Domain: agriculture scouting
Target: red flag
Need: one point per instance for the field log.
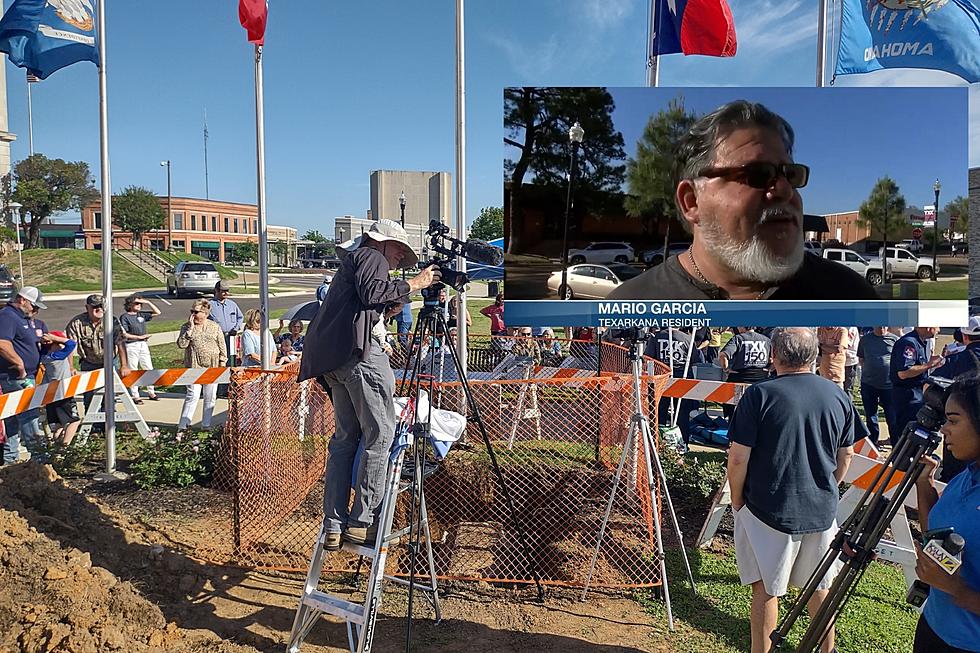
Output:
(252, 14)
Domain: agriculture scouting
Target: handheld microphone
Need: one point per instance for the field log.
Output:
(943, 546)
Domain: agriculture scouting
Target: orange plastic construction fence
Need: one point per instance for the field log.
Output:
(558, 442)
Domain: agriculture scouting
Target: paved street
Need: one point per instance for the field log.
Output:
(60, 311)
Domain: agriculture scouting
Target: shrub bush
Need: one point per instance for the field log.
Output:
(176, 460)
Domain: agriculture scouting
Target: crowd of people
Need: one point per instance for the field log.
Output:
(30, 352)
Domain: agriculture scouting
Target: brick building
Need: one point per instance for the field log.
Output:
(208, 228)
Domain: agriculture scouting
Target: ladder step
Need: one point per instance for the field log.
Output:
(338, 607)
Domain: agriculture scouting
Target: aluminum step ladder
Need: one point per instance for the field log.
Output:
(361, 617)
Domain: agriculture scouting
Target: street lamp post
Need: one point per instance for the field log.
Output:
(14, 207)
(935, 228)
(401, 203)
(170, 212)
(575, 136)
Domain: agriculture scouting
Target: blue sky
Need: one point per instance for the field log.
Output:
(353, 87)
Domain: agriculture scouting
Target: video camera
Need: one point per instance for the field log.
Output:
(929, 419)
(631, 334)
(474, 250)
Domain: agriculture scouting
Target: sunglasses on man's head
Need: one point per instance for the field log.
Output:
(762, 174)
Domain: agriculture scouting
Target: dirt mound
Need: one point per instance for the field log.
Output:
(58, 594)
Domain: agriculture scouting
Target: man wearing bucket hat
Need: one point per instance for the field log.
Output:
(342, 355)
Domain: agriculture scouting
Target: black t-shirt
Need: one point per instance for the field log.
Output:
(673, 350)
(817, 278)
(748, 355)
(794, 424)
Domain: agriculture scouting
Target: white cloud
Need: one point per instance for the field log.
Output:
(774, 26)
(606, 14)
(531, 62)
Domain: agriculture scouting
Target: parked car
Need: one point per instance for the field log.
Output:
(588, 281)
(903, 263)
(848, 259)
(814, 246)
(651, 257)
(8, 284)
(601, 253)
(192, 276)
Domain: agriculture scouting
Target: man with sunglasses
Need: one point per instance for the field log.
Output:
(737, 191)
(88, 330)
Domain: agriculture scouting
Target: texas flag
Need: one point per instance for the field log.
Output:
(253, 14)
(693, 27)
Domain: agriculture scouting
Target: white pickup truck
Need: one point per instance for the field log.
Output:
(851, 259)
(901, 263)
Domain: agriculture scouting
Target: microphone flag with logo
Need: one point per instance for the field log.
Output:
(253, 15)
(693, 27)
(46, 35)
(930, 34)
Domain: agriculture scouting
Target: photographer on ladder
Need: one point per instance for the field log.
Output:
(342, 355)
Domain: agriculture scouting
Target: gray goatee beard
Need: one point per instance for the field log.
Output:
(753, 261)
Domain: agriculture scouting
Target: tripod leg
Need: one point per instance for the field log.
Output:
(627, 446)
(432, 562)
(657, 531)
(670, 507)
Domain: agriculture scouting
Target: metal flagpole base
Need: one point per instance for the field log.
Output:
(111, 477)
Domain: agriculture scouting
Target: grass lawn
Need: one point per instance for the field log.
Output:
(716, 620)
(79, 270)
(174, 258)
(954, 289)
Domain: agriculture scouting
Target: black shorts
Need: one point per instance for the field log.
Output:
(62, 412)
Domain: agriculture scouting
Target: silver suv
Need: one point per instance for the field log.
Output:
(192, 276)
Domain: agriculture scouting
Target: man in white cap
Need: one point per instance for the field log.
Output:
(20, 355)
(342, 354)
(966, 362)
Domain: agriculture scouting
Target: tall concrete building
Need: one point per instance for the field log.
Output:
(428, 196)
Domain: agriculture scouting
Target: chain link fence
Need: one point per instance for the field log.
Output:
(557, 440)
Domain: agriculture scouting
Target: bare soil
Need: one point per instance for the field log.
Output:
(81, 575)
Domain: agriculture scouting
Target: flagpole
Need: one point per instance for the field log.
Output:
(821, 42)
(263, 235)
(653, 67)
(108, 342)
(30, 117)
(461, 329)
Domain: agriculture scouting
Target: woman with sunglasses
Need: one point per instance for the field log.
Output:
(204, 346)
(950, 621)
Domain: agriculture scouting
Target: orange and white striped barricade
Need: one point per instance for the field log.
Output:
(95, 413)
(860, 475)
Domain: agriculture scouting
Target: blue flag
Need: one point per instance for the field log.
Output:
(47, 35)
(931, 34)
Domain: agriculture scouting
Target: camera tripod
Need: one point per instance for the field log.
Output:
(432, 322)
(860, 533)
(641, 436)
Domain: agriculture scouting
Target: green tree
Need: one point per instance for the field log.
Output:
(242, 253)
(47, 186)
(323, 246)
(137, 210)
(650, 174)
(958, 211)
(489, 224)
(883, 213)
(280, 250)
(315, 236)
(536, 124)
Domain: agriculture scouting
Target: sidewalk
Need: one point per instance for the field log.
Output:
(165, 413)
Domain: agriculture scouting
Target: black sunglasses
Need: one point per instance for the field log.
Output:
(762, 174)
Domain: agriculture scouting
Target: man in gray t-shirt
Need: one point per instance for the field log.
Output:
(874, 354)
